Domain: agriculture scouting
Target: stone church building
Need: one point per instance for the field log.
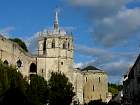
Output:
(55, 54)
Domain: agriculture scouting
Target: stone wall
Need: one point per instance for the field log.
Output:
(11, 52)
(95, 85)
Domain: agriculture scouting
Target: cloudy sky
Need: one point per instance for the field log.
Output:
(106, 32)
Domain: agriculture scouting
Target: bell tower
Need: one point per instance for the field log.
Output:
(55, 50)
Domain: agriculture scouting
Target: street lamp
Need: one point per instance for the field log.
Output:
(19, 63)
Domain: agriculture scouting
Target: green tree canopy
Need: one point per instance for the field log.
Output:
(114, 88)
(60, 90)
(38, 90)
(10, 78)
(20, 43)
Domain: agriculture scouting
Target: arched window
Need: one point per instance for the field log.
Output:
(64, 45)
(6, 62)
(53, 43)
(33, 68)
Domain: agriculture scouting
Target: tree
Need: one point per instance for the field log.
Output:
(114, 89)
(13, 86)
(10, 78)
(20, 43)
(60, 90)
(14, 96)
(38, 90)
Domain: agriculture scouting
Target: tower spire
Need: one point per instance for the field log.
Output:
(56, 25)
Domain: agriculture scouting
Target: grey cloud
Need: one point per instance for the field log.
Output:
(89, 51)
(115, 79)
(114, 69)
(113, 23)
(117, 68)
(118, 29)
(84, 50)
(100, 8)
(114, 63)
(99, 2)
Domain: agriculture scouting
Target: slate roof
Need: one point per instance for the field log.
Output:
(90, 68)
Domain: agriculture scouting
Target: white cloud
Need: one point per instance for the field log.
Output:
(6, 31)
(78, 65)
(32, 43)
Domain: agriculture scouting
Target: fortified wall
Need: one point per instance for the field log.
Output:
(12, 54)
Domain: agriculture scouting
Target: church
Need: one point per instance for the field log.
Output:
(55, 54)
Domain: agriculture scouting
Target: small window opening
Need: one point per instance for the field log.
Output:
(93, 88)
(61, 63)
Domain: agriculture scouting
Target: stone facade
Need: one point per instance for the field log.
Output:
(95, 85)
(11, 53)
(55, 54)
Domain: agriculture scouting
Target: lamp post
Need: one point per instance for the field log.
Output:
(19, 63)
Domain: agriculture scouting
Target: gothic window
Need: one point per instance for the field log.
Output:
(86, 79)
(53, 43)
(93, 88)
(64, 45)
